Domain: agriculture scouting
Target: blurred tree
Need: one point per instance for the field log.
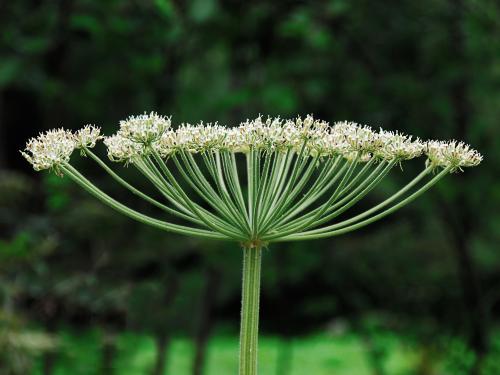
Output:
(459, 221)
(19, 345)
(429, 67)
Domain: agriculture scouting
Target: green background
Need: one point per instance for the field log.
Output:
(86, 291)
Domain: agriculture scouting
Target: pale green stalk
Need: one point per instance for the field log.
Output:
(345, 229)
(370, 182)
(200, 212)
(289, 194)
(203, 183)
(103, 197)
(139, 193)
(249, 331)
(322, 184)
(231, 172)
(177, 195)
(218, 178)
(204, 193)
(379, 206)
(317, 215)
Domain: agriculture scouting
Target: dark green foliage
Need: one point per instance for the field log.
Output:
(429, 68)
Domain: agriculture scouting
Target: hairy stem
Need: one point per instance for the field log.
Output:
(250, 310)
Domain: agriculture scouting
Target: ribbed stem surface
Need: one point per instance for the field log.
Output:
(250, 310)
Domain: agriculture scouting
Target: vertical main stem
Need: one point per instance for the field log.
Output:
(249, 332)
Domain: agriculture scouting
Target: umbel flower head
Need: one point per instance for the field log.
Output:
(264, 180)
(144, 129)
(452, 153)
(50, 149)
(87, 136)
(299, 173)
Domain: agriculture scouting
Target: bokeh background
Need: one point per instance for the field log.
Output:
(86, 291)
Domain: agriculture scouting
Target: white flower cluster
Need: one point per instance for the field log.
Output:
(394, 145)
(191, 138)
(87, 136)
(50, 149)
(54, 147)
(452, 154)
(275, 134)
(135, 135)
(144, 129)
(140, 135)
(121, 149)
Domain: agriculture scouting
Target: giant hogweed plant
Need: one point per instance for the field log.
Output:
(293, 182)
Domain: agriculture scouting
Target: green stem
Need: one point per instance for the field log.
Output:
(99, 194)
(250, 310)
(137, 192)
(345, 228)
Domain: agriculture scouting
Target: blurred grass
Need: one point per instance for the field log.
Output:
(318, 354)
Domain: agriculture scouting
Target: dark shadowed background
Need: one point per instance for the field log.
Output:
(86, 291)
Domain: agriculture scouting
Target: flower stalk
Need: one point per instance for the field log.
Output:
(299, 176)
(249, 331)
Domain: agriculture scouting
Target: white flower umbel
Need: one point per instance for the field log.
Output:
(121, 149)
(452, 154)
(50, 149)
(87, 136)
(266, 180)
(144, 129)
